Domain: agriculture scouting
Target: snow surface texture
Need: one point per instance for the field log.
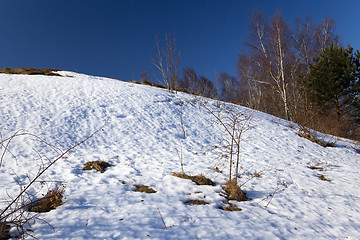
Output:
(140, 140)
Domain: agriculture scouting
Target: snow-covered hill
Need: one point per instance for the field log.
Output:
(141, 140)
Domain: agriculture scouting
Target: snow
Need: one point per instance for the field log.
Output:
(141, 140)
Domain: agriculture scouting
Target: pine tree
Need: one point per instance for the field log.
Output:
(334, 79)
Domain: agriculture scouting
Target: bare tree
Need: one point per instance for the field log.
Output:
(145, 77)
(272, 68)
(248, 70)
(166, 61)
(309, 40)
(199, 85)
(190, 80)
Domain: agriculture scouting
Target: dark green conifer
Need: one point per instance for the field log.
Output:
(334, 79)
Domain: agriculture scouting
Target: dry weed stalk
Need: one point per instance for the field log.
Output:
(180, 156)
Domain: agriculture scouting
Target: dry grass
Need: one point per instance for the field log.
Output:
(198, 179)
(322, 177)
(316, 168)
(30, 71)
(257, 174)
(143, 188)
(136, 82)
(145, 82)
(196, 202)
(216, 169)
(230, 208)
(234, 192)
(97, 165)
(50, 201)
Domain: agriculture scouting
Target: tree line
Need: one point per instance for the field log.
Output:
(300, 72)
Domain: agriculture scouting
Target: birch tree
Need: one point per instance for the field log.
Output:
(166, 61)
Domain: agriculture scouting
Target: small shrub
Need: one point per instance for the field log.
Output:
(97, 165)
(143, 188)
(198, 179)
(234, 192)
(50, 201)
(196, 202)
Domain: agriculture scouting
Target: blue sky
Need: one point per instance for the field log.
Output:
(117, 38)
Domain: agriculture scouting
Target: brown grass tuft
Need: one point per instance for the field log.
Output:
(198, 179)
(230, 208)
(136, 82)
(143, 188)
(50, 201)
(97, 165)
(196, 202)
(322, 177)
(316, 168)
(234, 192)
(216, 169)
(145, 82)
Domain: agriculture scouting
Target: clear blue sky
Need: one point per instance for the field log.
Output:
(116, 38)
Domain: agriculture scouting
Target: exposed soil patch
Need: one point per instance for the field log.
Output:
(234, 192)
(4, 231)
(198, 179)
(30, 71)
(196, 202)
(97, 165)
(50, 201)
(143, 188)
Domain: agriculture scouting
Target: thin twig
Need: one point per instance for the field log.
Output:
(162, 219)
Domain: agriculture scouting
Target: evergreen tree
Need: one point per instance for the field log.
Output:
(334, 79)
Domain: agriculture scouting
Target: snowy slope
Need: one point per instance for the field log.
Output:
(141, 137)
